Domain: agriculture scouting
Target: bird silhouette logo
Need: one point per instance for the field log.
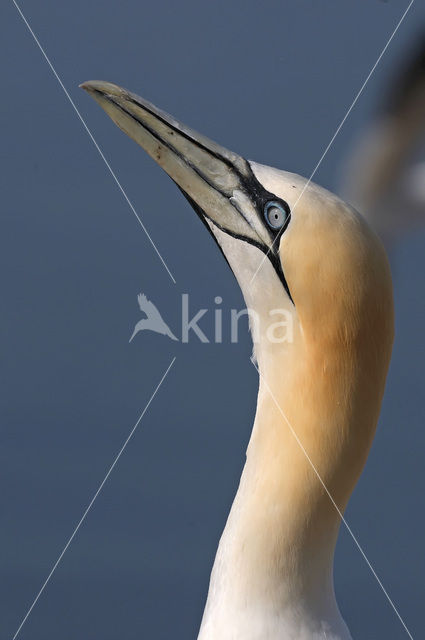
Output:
(153, 320)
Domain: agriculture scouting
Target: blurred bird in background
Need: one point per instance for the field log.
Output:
(384, 176)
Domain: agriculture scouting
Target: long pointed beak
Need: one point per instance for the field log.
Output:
(219, 183)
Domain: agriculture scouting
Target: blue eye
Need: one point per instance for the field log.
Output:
(275, 215)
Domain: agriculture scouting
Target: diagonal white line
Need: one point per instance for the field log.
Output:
(111, 171)
(83, 517)
(347, 526)
(338, 129)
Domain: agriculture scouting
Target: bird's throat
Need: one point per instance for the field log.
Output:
(273, 570)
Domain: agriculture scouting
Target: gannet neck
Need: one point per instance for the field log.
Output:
(272, 577)
(318, 404)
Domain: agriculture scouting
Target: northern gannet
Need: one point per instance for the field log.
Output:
(319, 395)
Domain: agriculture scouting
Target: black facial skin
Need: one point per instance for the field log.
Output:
(259, 197)
(271, 252)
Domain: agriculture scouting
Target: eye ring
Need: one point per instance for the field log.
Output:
(276, 215)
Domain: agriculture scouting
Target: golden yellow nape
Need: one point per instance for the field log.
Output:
(298, 251)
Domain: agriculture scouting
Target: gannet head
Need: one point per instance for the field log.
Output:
(292, 246)
(290, 243)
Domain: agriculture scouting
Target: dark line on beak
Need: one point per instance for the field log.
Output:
(169, 146)
(203, 217)
(187, 136)
(249, 183)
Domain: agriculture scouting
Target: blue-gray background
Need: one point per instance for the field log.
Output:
(270, 80)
